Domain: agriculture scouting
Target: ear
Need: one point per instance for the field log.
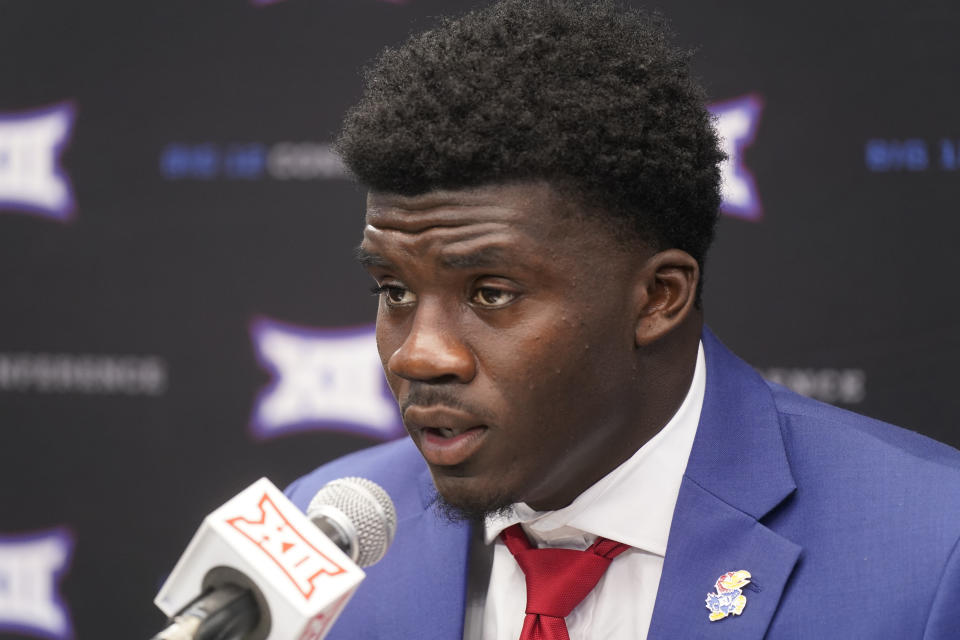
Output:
(666, 294)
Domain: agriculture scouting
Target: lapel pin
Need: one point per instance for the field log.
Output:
(728, 598)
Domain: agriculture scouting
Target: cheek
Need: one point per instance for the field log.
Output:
(541, 373)
(389, 338)
(562, 373)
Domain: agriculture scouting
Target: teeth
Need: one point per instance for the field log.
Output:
(445, 432)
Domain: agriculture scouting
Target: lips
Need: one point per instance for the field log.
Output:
(446, 437)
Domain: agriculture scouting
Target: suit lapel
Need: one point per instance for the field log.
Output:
(737, 473)
(431, 555)
(710, 538)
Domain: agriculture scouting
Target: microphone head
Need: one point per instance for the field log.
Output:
(362, 512)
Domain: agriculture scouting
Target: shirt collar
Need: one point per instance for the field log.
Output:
(632, 504)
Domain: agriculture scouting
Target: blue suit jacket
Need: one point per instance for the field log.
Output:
(848, 526)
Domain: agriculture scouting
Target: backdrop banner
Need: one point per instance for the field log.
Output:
(182, 313)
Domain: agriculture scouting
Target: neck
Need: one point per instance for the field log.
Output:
(666, 368)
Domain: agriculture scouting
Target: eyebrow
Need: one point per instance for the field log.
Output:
(370, 259)
(485, 257)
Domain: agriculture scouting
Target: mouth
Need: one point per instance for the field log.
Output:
(446, 437)
(446, 447)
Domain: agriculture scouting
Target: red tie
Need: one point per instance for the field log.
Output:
(557, 580)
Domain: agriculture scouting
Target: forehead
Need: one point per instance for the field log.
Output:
(518, 205)
(462, 227)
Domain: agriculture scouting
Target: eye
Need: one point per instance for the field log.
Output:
(492, 298)
(394, 295)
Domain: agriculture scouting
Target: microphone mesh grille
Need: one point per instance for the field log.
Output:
(369, 508)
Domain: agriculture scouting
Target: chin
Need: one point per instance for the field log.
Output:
(456, 502)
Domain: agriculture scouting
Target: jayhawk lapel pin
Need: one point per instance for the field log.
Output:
(728, 598)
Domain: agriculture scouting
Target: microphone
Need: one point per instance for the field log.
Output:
(265, 571)
(357, 515)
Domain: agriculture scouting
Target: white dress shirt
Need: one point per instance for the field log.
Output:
(632, 504)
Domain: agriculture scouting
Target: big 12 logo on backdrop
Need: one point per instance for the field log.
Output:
(30, 567)
(31, 178)
(736, 124)
(329, 379)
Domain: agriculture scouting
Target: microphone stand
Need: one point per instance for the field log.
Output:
(228, 612)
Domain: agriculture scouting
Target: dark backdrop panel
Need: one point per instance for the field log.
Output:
(185, 325)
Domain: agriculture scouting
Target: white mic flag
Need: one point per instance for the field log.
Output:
(261, 541)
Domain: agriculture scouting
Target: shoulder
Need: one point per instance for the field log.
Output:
(864, 478)
(853, 437)
(872, 501)
(396, 466)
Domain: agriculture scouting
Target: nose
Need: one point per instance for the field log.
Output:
(432, 351)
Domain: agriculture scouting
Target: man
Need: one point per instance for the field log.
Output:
(543, 189)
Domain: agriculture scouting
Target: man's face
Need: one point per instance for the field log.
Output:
(506, 330)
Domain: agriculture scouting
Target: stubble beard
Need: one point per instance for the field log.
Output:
(471, 512)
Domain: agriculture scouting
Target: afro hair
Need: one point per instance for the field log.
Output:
(589, 96)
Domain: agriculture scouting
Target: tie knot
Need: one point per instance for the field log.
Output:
(559, 579)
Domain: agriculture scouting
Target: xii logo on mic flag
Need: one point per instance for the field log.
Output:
(286, 546)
